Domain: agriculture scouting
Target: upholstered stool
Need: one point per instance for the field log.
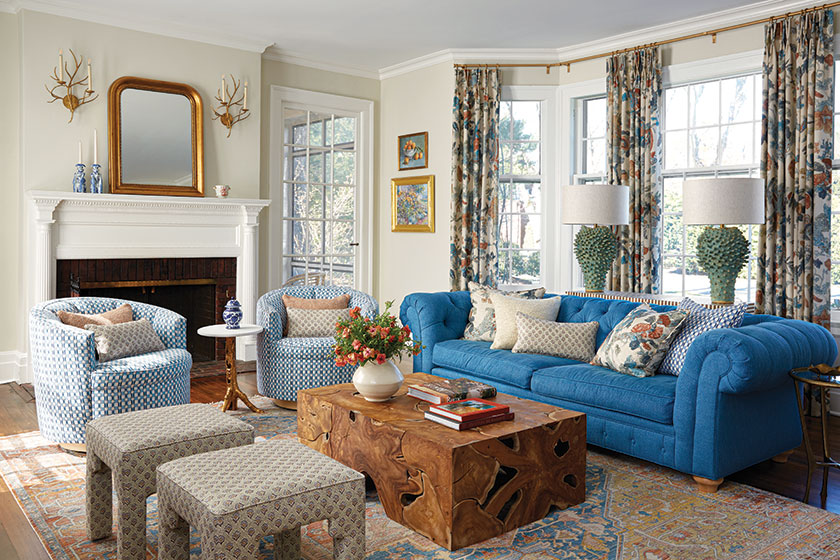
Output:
(234, 497)
(130, 447)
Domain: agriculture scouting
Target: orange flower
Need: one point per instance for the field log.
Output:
(354, 313)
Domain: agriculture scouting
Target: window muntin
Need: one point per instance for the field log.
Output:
(520, 193)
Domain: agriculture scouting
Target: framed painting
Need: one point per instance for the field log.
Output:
(413, 204)
(412, 150)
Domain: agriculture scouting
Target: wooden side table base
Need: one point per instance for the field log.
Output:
(234, 393)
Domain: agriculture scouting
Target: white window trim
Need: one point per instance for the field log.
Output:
(547, 96)
(326, 103)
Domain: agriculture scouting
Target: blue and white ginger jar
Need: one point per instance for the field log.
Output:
(232, 315)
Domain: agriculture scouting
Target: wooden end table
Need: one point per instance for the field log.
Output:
(456, 488)
(821, 377)
(234, 393)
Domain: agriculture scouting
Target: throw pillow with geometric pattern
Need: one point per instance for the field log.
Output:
(639, 342)
(700, 320)
(125, 339)
(574, 341)
(314, 323)
(481, 324)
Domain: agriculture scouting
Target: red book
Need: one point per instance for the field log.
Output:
(460, 426)
(469, 409)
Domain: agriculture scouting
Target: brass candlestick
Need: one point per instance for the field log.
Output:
(231, 110)
(70, 100)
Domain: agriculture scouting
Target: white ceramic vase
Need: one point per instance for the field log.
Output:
(378, 382)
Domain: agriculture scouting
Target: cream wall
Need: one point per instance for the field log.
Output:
(9, 166)
(275, 73)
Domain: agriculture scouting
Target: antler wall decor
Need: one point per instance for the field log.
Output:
(71, 101)
(231, 110)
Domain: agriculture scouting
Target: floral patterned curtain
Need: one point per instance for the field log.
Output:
(475, 177)
(794, 266)
(634, 158)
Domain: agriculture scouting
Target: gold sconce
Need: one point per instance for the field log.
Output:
(231, 110)
(71, 101)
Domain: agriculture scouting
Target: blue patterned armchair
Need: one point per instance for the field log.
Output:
(287, 365)
(72, 387)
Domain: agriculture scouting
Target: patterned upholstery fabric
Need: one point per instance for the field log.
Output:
(72, 387)
(575, 341)
(234, 497)
(287, 365)
(314, 322)
(127, 448)
(125, 339)
(700, 320)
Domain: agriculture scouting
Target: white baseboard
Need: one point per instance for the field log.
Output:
(12, 366)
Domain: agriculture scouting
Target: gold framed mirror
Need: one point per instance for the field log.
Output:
(155, 138)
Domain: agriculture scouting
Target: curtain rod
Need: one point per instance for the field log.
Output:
(713, 33)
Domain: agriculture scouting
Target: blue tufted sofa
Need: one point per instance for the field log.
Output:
(733, 404)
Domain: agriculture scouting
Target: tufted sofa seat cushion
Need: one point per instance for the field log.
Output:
(478, 359)
(652, 399)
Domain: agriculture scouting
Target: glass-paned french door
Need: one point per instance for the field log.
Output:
(320, 197)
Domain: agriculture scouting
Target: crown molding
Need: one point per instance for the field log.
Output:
(77, 9)
(699, 24)
(9, 6)
(281, 55)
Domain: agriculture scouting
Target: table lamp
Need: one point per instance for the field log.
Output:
(595, 247)
(723, 251)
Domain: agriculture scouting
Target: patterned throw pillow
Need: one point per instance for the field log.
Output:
(121, 314)
(506, 309)
(639, 342)
(482, 324)
(575, 341)
(311, 323)
(338, 302)
(125, 339)
(700, 320)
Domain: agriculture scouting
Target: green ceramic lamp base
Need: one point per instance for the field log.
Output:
(595, 250)
(722, 252)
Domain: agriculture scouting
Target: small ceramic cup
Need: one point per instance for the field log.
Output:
(222, 190)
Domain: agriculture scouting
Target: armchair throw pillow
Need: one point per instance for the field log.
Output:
(700, 320)
(338, 302)
(506, 309)
(575, 341)
(311, 323)
(121, 314)
(125, 339)
(481, 324)
(639, 342)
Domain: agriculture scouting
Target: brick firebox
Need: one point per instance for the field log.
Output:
(197, 288)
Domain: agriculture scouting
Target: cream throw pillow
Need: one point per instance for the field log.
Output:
(508, 307)
(575, 341)
(314, 323)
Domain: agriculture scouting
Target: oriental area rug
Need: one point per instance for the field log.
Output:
(634, 510)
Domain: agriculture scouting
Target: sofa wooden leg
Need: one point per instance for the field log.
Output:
(783, 457)
(707, 485)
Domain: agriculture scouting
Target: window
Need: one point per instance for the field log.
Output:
(319, 200)
(710, 129)
(520, 192)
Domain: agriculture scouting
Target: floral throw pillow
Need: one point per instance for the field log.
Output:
(640, 341)
(481, 324)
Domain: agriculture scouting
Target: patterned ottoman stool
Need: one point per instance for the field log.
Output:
(131, 446)
(234, 497)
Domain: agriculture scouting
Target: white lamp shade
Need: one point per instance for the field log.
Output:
(725, 200)
(595, 204)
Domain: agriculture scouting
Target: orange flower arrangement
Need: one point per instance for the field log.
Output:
(359, 340)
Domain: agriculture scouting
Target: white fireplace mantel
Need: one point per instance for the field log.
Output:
(111, 226)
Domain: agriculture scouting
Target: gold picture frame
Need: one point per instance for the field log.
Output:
(413, 204)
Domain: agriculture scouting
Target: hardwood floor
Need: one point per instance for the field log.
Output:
(17, 415)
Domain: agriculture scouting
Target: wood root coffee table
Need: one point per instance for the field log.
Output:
(456, 488)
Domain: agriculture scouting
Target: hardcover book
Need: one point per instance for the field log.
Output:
(448, 390)
(460, 426)
(468, 409)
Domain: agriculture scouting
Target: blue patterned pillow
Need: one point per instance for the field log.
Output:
(700, 320)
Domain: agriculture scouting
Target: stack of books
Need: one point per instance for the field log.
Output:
(448, 390)
(468, 413)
